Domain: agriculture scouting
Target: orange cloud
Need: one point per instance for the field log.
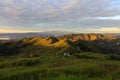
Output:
(17, 31)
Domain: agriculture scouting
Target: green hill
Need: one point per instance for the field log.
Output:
(42, 58)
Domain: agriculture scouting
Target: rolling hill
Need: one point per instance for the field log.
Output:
(42, 58)
(73, 42)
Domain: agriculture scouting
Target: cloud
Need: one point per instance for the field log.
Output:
(109, 18)
(111, 29)
(46, 14)
(16, 31)
(114, 29)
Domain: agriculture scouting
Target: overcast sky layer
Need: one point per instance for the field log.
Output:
(60, 15)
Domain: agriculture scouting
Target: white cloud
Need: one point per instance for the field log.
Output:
(110, 18)
(105, 30)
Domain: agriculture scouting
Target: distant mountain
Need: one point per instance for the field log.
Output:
(117, 34)
(18, 35)
(22, 35)
(88, 37)
(55, 33)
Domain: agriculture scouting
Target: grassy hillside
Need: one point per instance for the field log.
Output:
(82, 66)
(41, 58)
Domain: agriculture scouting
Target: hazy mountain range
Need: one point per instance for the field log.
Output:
(31, 34)
(6, 36)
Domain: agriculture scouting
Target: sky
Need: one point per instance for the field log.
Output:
(84, 16)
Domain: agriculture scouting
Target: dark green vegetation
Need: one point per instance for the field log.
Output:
(42, 59)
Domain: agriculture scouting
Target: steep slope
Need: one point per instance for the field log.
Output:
(62, 43)
(44, 41)
(51, 40)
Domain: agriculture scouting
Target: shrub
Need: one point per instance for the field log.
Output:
(114, 57)
(90, 55)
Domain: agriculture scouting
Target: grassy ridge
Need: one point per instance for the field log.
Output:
(83, 66)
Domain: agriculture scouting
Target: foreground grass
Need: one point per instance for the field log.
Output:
(83, 66)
